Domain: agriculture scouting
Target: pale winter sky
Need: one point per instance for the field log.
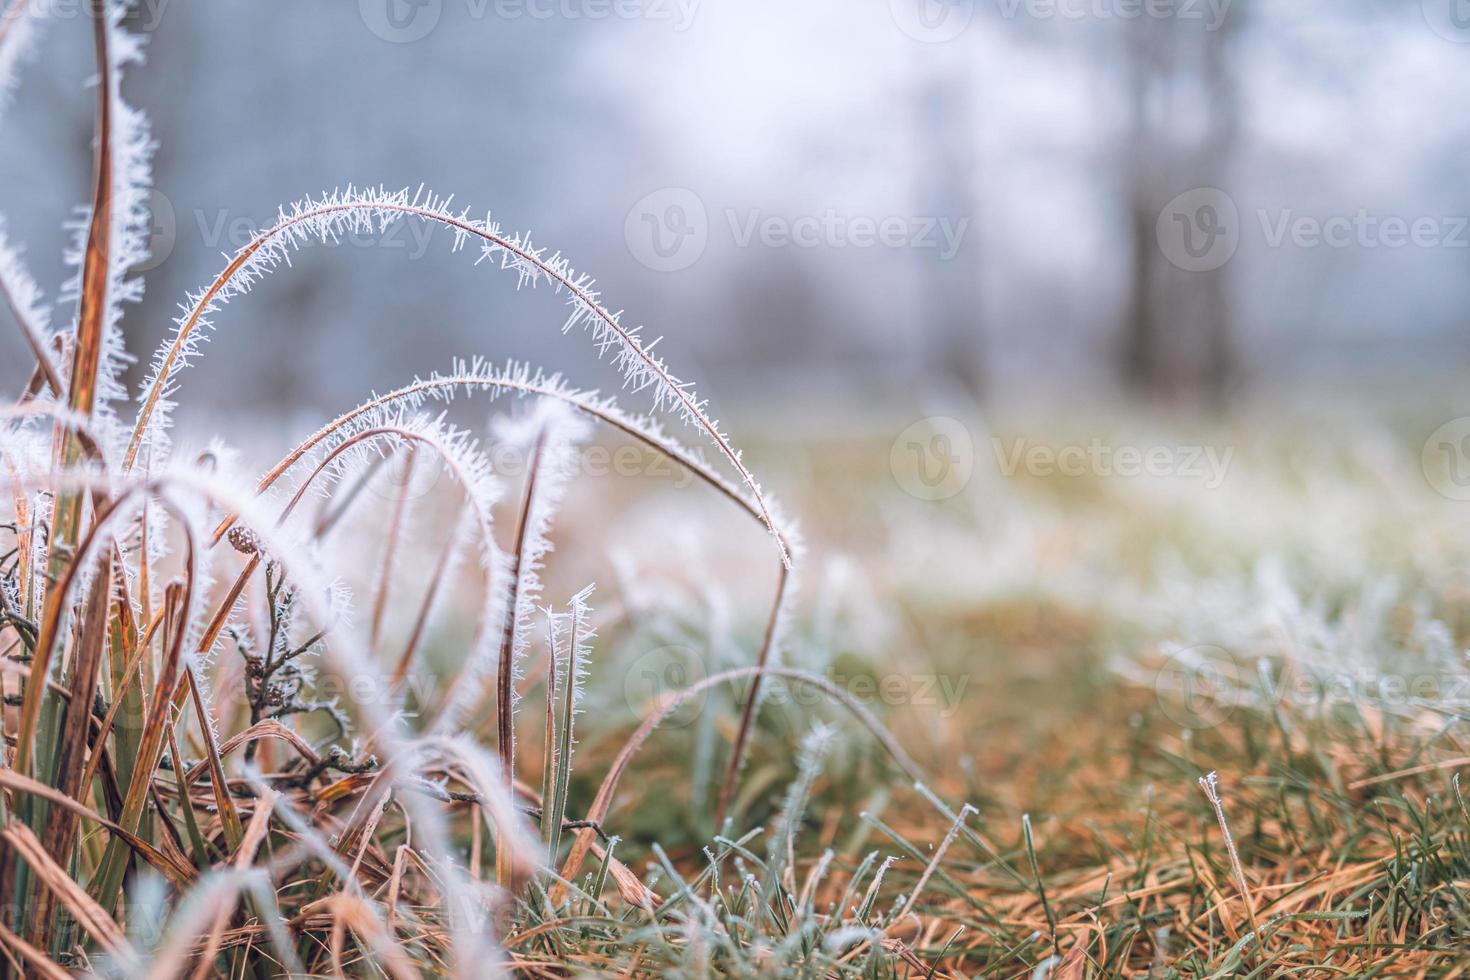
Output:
(842, 176)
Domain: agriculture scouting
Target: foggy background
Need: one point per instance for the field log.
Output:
(845, 201)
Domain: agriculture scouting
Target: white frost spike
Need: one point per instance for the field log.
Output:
(582, 636)
(814, 748)
(19, 23)
(19, 292)
(571, 647)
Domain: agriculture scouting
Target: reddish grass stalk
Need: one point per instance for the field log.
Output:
(747, 714)
(421, 621)
(390, 552)
(91, 313)
(505, 666)
(504, 679)
(175, 871)
(77, 717)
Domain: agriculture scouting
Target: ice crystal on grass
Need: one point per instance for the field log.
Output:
(224, 773)
(127, 154)
(352, 211)
(24, 300)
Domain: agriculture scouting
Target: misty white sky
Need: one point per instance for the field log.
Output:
(762, 109)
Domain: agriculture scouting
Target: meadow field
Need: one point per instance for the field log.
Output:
(489, 674)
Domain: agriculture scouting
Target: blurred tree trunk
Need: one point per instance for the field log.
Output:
(1219, 364)
(1147, 43)
(1178, 328)
(949, 286)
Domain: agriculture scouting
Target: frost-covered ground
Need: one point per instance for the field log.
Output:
(1080, 648)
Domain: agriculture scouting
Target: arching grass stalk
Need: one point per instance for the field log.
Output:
(361, 211)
